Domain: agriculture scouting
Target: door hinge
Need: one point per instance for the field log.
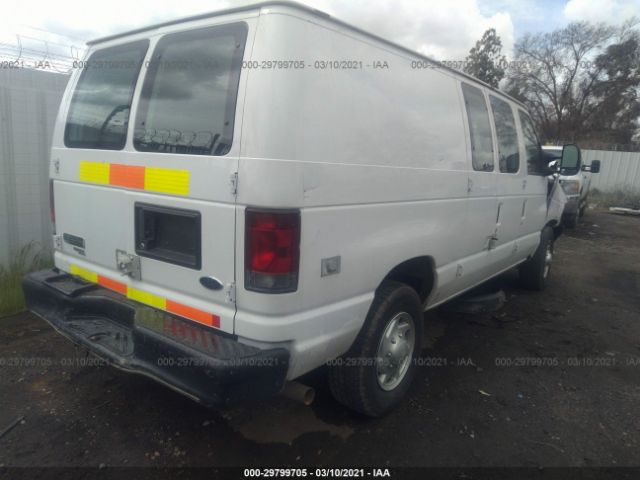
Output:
(230, 292)
(469, 185)
(233, 180)
(57, 242)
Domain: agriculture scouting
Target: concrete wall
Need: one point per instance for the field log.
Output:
(618, 170)
(29, 101)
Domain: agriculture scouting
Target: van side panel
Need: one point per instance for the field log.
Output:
(374, 157)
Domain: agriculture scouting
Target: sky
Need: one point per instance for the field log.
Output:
(441, 29)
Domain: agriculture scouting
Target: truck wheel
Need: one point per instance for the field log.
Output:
(582, 210)
(570, 221)
(376, 372)
(534, 273)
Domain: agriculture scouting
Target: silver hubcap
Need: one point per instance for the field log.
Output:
(395, 351)
(548, 258)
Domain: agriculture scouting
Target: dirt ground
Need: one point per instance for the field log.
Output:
(553, 379)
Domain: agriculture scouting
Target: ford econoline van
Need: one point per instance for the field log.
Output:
(245, 196)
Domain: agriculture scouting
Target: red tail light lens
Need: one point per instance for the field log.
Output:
(52, 206)
(272, 251)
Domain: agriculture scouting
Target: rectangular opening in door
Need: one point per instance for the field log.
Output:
(170, 235)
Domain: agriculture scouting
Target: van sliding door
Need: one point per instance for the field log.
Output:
(511, 186)
(482, 205)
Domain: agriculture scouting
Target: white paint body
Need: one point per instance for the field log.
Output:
(377, 160)
(575, 201)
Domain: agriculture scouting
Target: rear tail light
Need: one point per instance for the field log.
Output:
(272, 251)
(52, 206)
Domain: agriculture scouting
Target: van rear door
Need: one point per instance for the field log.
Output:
(144, 171)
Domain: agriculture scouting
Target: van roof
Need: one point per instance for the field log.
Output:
(312, 11)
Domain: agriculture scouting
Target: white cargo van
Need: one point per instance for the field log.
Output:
(245, 196)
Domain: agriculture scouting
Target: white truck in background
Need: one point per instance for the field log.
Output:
(244, 196)
(575, 179)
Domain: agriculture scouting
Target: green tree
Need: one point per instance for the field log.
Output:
(580, 82)
(615, 109)
(485, 61)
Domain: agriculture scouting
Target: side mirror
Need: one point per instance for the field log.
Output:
(570, 157)
(595, 166)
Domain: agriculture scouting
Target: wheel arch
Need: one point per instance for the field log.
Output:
(417, 272)
(556, 227)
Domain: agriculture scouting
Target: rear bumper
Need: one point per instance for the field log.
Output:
(210, 367)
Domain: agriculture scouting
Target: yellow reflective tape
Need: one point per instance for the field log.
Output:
(132, 293)
(147, 298)
(88, 275)
(165, 180)
(94, 172)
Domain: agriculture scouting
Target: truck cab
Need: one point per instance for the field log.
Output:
(575, 179)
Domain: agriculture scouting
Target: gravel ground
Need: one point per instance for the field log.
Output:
(552, 379)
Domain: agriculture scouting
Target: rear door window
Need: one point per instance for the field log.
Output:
(188, 100)
(508, 149)
(533, 152)
(100, 106)
(479, 128)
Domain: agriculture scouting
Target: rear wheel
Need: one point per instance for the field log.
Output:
(534, 273)
(376, 372)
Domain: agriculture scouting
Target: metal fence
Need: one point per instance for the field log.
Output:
(618, 170)
(29, 101)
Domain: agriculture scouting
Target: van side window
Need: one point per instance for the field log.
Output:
(479, 128)
(532, 149)
(508, 148)
(188, 99)
(100, 106)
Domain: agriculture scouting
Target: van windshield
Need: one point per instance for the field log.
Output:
(188, 100)
(99, 111)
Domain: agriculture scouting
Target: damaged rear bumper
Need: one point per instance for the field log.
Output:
(211, 367)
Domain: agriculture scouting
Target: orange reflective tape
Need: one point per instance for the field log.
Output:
(147, 298)
(151, 179)
(112, 285)
(193, 314)
(129, 176)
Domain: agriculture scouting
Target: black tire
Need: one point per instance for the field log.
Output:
(570, 221)
(534, 273)
(353, 378)
(582, 211)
